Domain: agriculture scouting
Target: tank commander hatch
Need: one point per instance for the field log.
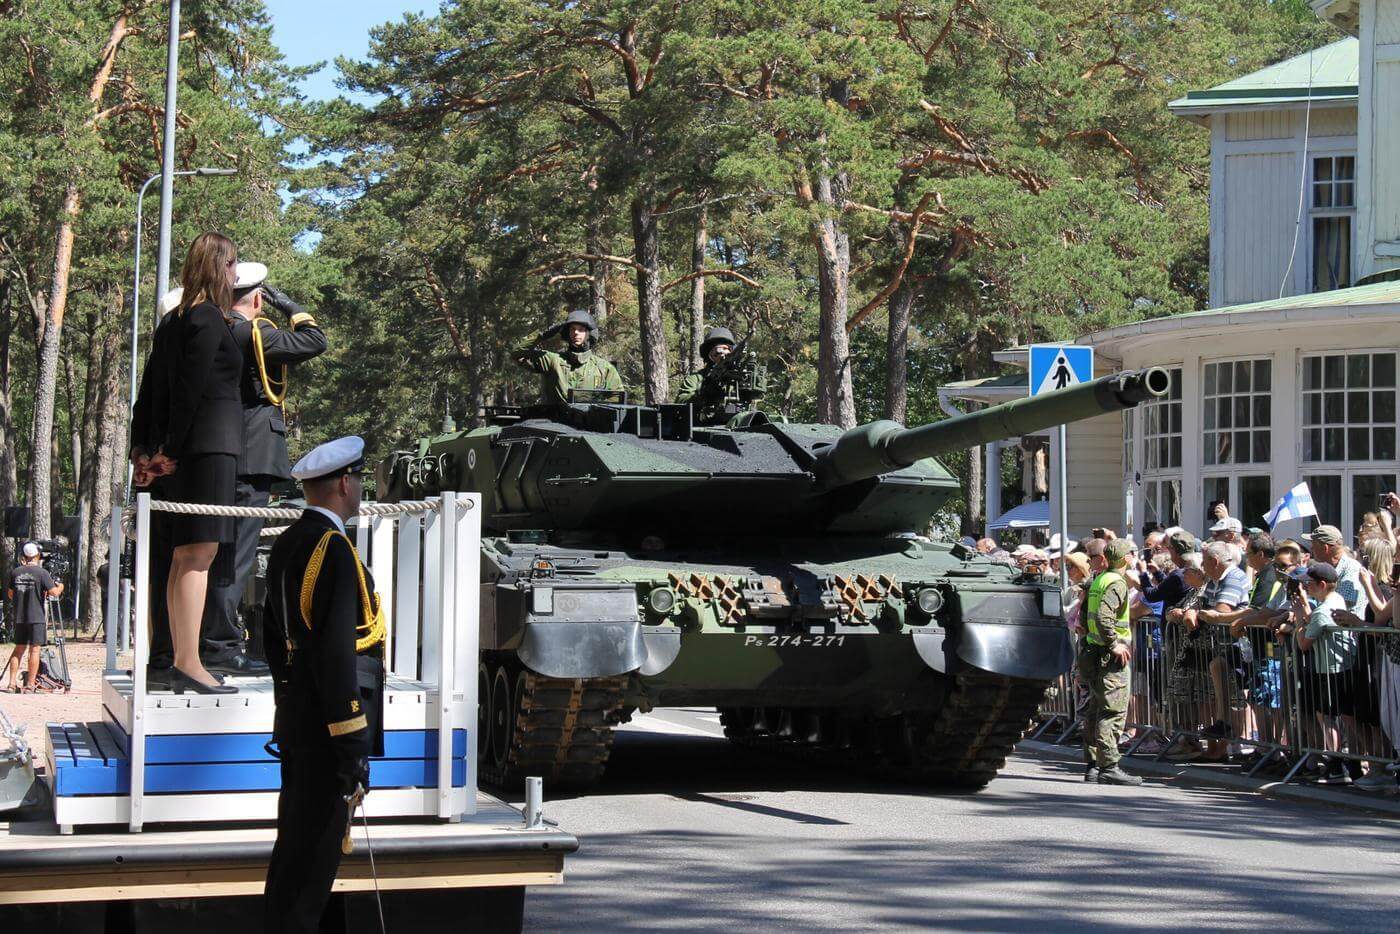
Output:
(574, 367)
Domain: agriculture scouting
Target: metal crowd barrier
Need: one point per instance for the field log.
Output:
(1294, 707)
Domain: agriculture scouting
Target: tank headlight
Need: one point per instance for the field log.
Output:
(929, 601)
(661, 600)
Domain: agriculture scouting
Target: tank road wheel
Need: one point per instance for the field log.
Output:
(551, 727)
(483, 715)
(502, 720)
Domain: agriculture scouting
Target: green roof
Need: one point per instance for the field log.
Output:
(1326, 74)
(1375, 293)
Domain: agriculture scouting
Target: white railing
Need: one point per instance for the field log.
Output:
(425, 557)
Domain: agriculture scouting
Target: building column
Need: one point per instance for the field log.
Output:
(991, 478)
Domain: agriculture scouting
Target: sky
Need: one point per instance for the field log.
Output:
(310, 31)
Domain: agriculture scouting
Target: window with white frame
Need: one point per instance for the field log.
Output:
(1333, 205)
(1343, 498)
(1349, 407)
(1237, 397)
(1161, 429)
(1161, 455)
(1247, 496)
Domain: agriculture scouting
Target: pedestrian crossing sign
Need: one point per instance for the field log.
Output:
(1059, 366)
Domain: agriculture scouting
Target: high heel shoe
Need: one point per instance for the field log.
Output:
(181, 682)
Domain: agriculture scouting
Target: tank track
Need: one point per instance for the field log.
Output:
(962, 744)
(561, 730)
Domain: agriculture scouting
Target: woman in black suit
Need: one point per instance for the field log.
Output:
(203, 437)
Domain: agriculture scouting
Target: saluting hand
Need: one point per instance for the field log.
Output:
(281, 301)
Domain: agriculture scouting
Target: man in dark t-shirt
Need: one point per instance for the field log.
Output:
(29, 586)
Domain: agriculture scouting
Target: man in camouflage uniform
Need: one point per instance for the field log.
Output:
(1104, 655)
(708, 400)
(575, 367)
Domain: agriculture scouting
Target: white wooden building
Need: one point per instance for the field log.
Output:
(1291, 374)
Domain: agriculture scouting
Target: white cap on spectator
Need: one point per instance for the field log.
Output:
(1227, 524)
(30, 550)
(1022, 550)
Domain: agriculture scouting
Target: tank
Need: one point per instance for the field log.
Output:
(775, 571)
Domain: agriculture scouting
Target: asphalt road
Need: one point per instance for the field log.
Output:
(688, 833)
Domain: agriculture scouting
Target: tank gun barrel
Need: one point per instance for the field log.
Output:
(880, 447)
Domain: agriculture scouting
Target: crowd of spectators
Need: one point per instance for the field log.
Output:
(1246, 647)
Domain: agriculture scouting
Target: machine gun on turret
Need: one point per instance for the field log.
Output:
(735, 384)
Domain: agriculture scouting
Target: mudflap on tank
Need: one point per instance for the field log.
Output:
(1031, 650)
(582, 649)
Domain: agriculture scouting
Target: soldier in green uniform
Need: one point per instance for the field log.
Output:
(708, 398)
(575, 367)
(1104, 655)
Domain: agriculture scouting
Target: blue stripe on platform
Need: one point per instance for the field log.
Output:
(248, 747)
(89, 761)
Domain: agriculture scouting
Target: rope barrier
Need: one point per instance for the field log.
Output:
(406, 508)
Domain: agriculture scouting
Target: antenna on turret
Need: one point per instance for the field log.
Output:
(449, 423)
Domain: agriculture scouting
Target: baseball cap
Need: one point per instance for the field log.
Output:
(1226, 525)
(1182, 542)
(1318, 571)
(1117, 550)
(30, 550)
(1325, 535)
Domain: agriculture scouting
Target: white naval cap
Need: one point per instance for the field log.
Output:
(343, 455)
(247, 275)
(171, 300)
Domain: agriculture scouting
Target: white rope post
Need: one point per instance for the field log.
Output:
(427, 660)
(468, 630)
(382, 567)
(114, 576)
(140, 658)
(446, 657)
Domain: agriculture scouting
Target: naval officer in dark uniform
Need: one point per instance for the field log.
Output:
(325, 643)
(268, 352)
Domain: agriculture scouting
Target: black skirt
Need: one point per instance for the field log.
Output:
(209, 479)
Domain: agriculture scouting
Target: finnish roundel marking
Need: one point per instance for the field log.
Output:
(471, 459)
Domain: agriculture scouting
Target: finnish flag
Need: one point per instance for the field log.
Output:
(1294, 504)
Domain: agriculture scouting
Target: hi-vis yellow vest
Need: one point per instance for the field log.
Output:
(1091, 610)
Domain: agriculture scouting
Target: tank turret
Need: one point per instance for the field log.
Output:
(881, 447)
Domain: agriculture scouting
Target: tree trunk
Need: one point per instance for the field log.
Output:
(46, 382)
(105, 463)
(597, 277)
(973, 522)
(897, 354)
(75, 426)
(697, 291)
(835, 395)
(646, 237)
(9, 441)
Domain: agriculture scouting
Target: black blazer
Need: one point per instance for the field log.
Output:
(203, 370)
(264, 430)
(324, 701)
(152, 409)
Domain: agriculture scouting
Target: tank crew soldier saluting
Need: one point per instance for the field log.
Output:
(325, 644)
(1104, 654)
(707, 397)
(575, 367)
(268, 351)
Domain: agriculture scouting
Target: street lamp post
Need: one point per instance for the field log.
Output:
(203, 171)
(167, 159)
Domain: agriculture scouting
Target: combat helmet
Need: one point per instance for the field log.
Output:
(578, 316)
(716, 336)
